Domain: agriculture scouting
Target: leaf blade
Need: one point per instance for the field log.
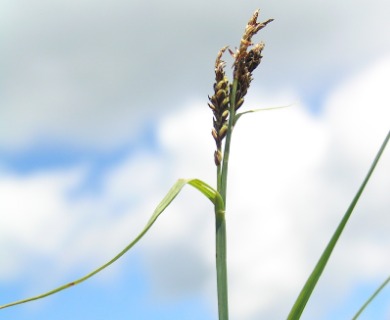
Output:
(300, 303)
(371, 298)
(240, 114)
(204, 188)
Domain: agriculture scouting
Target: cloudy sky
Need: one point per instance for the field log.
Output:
(103, 105)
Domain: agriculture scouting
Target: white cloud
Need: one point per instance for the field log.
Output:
(46, 222)
(33, 217)
(92, 73)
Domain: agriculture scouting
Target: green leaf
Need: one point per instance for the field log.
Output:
(209, 192)
(204, 188)
(311, 282)
(239, 115)
(371, 298)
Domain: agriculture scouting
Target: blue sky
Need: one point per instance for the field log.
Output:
(103, 105)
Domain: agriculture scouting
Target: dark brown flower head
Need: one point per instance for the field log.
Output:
(245, 62)
(251, 29)
(219, 103)
(253, 58)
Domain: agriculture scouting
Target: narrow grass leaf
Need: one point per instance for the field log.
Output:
(213, 195)
(311, 282)
(204, 188)
(239, 115)
(371, 298)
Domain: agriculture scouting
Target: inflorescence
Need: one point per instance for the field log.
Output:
(223, 99)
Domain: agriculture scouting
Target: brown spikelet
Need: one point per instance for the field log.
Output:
(245, 62)
(219, 104)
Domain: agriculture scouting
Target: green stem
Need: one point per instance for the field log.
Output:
(220, 221)
(225, 161)
(220, 249)
(219, 177)
(220, 232)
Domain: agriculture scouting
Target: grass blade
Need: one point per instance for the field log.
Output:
(204, 188)
(311, 282)
(239, 115)
(208, 191)
(371, 298)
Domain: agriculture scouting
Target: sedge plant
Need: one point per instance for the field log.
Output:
(227, 98)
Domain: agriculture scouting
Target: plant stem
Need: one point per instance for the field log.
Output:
(219, 178)
(220, 233)
(220, 221)
(225, 161)
(220, 250)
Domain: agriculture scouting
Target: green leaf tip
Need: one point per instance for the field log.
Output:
(239, 115)
(371, 298)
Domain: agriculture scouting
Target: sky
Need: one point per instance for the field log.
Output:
(103, 106)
